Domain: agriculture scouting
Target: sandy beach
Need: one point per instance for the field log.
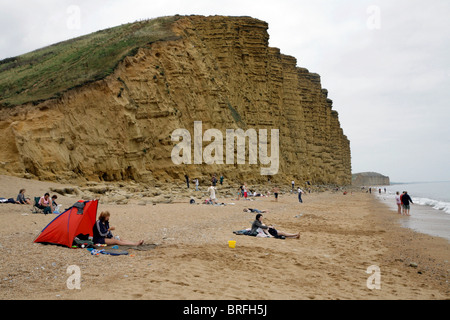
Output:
(341, 237)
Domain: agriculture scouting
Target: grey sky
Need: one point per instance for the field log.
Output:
(385, 63)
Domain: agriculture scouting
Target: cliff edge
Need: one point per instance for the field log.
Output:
(370, 179)
(127, 89)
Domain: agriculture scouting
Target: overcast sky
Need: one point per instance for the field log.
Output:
(385, 63)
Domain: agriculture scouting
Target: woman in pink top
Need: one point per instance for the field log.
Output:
(45, 204)
(399, 202)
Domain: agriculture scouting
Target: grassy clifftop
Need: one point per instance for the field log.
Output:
(46, 73)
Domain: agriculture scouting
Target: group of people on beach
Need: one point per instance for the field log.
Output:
(102, 231)
(244, 192)
(196, 181)
(403, 203)
(45, 203)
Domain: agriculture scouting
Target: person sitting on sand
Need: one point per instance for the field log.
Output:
(270, 230)
(255, 210)
(21, 197)
(54, 197)
(103, 235)
(45, 204)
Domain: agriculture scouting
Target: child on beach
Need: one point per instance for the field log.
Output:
(103, 235)
(21, 197)
(399, 202)
(276, 191)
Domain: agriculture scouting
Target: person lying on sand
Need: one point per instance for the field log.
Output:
(270, 229)
(103, 235)
(255, 210)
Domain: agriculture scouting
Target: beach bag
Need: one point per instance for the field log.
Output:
(57, 209)
(83, 239)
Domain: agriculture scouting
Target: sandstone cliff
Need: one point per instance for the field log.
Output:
(370, 179)
(218, 70)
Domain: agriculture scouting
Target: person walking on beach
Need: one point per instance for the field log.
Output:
(244, 188)
(293, 185)
(187, 180)
(196, 184)
(212, 193)
(406, 200)
(300, 191)
(399, 202)
(276, 191)
(221, 180)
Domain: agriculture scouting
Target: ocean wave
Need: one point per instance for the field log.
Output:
(435, 204)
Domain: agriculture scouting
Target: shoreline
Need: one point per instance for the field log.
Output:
(423, 219)
(424, 257)
(341, 237)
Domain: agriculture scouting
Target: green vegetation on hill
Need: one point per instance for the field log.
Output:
(46, 73)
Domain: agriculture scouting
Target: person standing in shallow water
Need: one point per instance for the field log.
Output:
(399, 202)
(406, 201)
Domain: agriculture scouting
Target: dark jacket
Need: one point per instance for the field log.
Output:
(100, 231)
(406, 199)
(255, 225)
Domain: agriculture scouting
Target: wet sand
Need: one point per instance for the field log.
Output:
(423, 218)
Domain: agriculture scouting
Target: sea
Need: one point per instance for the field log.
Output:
(430, 213)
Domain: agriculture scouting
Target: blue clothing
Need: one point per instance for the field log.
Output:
(100, 232)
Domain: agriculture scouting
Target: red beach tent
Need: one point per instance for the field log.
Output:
(78, 219)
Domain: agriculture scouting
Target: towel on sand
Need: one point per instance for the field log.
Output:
(247, 232)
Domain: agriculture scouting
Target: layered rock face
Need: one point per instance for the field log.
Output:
(370, 179)
(220, 71)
